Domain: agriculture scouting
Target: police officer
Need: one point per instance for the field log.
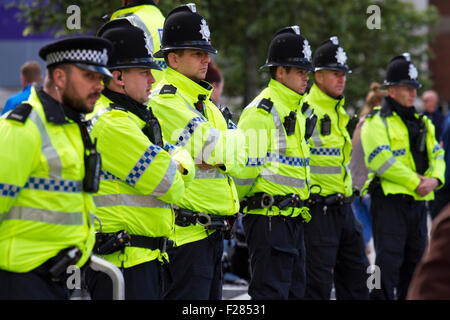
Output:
(49, 169)
(146, 15)
(274, 186)
(406, 164)
(139, 176)
(190, 119)
(333, 238)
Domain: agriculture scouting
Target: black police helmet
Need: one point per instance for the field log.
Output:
(289, 48)
(86, 52)
(184, 28)
(330, 56)
(401, 71)
(132, 48)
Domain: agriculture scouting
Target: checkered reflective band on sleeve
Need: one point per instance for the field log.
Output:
(188, 131)
(326, 151)
(56, 185)
(142, 165)
(9, 190)
(377, 150)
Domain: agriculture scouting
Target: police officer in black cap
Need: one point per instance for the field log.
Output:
(335, 248)
(407, 165)
(50, 168)
(136, 216)
(205, 213)
(274, 188)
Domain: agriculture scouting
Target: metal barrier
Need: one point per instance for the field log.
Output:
(113, 272)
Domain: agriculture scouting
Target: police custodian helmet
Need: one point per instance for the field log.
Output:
(184, 28)
(330, 56)
(86, 52)
(401, 71)
(131, 46)
(289, 48)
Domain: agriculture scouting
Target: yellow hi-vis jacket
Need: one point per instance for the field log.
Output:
(208, 140)
(387, 153)
(149, 18)
(139, 180)
(330, 151)
(43, 208)
(278, 163)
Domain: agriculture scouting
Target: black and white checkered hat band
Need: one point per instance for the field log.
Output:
(78, 55)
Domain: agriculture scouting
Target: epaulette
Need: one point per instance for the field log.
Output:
(373, 112)
(168, 88)
(266, 105)
(115, 106)
(20, 113)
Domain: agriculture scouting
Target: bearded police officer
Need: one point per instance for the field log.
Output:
(50, 167)
(333, 238)
(406, 164)
(274, 186)
(190, 119)
(146, 15)
(139, 177)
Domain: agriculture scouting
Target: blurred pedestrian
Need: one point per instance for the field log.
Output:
(358, 168)
(30, 74)
(430, 99)
(214, 77)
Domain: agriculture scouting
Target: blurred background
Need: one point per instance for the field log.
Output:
(242, 29)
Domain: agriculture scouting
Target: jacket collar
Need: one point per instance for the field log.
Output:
(190, 89)
(287, 96)
(322, 99)
(389, 105)
(55, 111)
(127, 102)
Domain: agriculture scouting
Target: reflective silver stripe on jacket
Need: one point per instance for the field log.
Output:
(94, 119)
(386, 165)
(131, 200)
(243, 182)
(42, 215)
(316, 137)
(282, 144)
(208, 174)
(282, 180)
(325, 169)
(209, 145)
(166, 182)
(48, 150)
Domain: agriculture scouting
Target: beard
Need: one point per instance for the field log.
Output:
(73, 100)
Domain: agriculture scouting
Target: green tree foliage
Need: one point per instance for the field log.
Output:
(242, 29)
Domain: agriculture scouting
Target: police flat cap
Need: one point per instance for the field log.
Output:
(87, 52)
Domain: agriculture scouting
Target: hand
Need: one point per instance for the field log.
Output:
(426, 185)
(205, 166)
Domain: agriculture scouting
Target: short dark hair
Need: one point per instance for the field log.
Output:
(64, 66)
(31, 71)
(179, 52)
(273, 71)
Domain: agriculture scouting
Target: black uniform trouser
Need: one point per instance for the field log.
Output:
(277, 257)
(142, 282)
(195, 270)
(400, 237)
(335, 251)
(33, 285)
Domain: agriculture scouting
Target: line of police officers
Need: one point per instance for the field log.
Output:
(166, 177)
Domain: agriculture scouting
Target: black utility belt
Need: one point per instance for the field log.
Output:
(107, 243)
(55, 268)
(331, 200)
(261, 200)
(184, 218)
